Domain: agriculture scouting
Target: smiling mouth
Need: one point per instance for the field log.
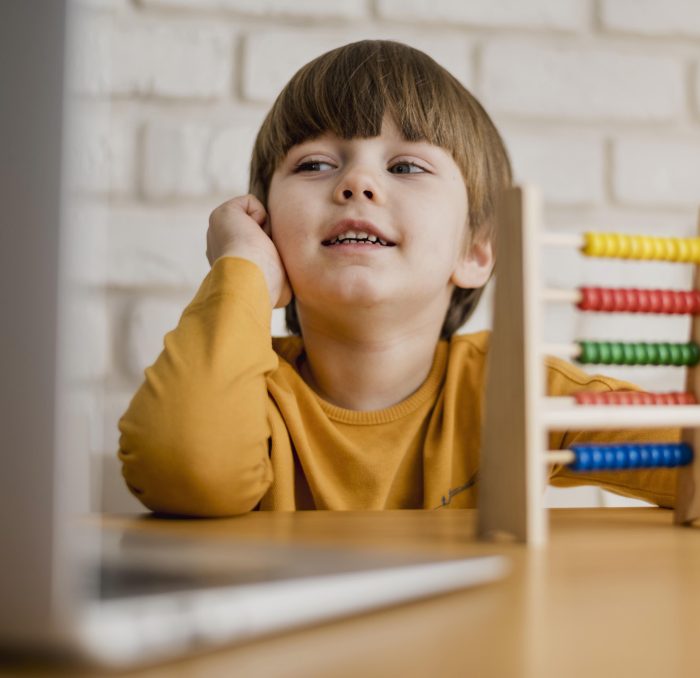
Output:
(357, 238)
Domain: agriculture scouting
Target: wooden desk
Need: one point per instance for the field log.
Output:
(615, 593)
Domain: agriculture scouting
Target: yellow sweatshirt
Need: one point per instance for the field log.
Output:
(223, 423)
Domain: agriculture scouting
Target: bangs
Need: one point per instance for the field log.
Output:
(348, 92)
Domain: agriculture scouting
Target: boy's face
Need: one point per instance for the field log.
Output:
(329, 193)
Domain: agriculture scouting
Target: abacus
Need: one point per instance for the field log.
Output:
(518, 416)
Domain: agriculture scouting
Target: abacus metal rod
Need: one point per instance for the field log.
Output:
(562, 296)
(561, 415)
(564, 457)
(563, 239)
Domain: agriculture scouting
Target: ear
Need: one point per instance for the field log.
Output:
(473, 269)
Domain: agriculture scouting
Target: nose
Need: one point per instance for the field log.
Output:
(357, 184)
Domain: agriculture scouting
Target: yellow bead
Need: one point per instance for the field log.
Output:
(671, 248)
(648, 247)
(694, 244)
(683, 249)
(594, 244)
(635, 247)
(623, 246)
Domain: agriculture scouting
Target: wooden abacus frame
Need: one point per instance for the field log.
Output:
(514, 457)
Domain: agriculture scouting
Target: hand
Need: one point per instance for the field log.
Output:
(238, 228)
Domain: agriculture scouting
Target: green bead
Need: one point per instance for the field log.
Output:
(676, 357)
(664, 354)
(640, 357)
(618, 353)
(587, 352)
(685, 354)
(604, 349)
(629, 354)
(653, 354)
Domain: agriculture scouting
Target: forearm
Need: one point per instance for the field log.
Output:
(195, 437)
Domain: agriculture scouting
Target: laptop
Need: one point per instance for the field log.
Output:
(69, 587)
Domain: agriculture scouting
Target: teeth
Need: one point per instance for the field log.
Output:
(359, 237)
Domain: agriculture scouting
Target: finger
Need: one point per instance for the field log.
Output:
(254, 208)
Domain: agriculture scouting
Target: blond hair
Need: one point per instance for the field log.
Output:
(349, 90)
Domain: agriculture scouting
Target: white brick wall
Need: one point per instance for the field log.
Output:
(567, 15)
(649, 172)
(598, 100)
(175, 59)
(577, 83)
(156, 247)
(265, 74)
(148, 321)
(651, 17)
(314, 10)
(571, 169)
(102, 154)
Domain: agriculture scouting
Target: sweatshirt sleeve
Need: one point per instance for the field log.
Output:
(195, 438)
(657, 486)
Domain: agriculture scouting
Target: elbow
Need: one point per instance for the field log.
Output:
(187, 485)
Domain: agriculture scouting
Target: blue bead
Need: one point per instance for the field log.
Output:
(654, 456)
(620, 457)
(667, 455)
(583, 461)
(592, 457)
(597, 459)
(643, 457)
(609, 458)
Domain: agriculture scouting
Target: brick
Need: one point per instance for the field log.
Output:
(228, 158)
(265, 74)
(87, 345)
(651, 17)
(148, 322)
(312, 9)
(569, 15)
(665, 173)
(162, 247)
(86, 243)
(100, 151)
(567, 167)
(582, 84)
(117, 56)
(173, 160)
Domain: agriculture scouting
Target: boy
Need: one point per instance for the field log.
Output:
(371, 218)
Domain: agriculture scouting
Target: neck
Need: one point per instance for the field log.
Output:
(360, 370)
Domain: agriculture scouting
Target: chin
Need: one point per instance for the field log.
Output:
(358, 291)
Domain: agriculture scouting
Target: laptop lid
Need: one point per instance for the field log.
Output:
(38, 583)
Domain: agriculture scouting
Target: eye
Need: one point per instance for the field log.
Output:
(405, 167)
(312, 166)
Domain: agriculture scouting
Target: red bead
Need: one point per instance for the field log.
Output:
(633, 398)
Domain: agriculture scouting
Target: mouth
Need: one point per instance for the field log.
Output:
(353, 232)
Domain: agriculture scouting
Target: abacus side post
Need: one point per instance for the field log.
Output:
(512, 468)
(688, 486)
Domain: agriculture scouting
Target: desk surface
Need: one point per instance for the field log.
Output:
(615, 593)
